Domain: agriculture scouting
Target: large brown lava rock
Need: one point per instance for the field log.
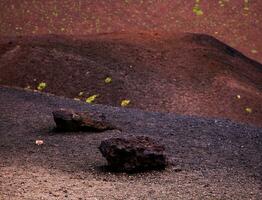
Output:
(133, 154)
(70, 121)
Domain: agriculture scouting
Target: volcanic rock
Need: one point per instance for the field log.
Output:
(70, 121)
(133, 154)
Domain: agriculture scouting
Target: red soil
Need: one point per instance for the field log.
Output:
(234, 22)
(192, 74)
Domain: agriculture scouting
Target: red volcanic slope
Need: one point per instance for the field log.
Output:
(235, 22)
(192, 74)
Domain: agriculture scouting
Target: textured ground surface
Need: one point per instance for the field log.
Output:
(188, 74)
(192, 74)
(212, 159)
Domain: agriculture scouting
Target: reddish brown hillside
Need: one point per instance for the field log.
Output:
(236, 22)
(191, 74)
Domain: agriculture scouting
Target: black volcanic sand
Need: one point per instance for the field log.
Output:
(189, 74)
(212, 159)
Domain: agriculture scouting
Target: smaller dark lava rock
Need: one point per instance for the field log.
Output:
(70, 121)
(133, 154)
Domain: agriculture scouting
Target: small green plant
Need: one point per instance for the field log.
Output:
(248, 110)
(108, 80)
(91, 98)
(197, 10)
(125, 102)
(41, 86)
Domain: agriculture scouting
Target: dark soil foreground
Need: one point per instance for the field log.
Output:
(212, 159)
(182, 73)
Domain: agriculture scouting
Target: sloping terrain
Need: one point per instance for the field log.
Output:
(236, 22)
(211, 159)
(192, 74)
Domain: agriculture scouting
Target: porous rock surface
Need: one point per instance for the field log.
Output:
(70, 121)
(133, 154)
